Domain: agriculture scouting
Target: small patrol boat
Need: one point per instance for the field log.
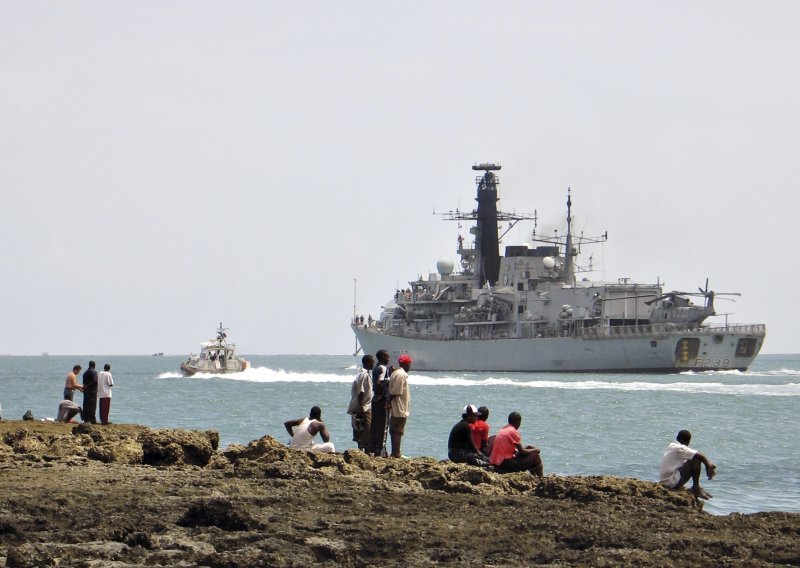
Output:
(216, 356)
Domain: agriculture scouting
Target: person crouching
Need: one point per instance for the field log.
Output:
(460, 445)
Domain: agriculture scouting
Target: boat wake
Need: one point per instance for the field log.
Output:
(267, 375)
(788, 389)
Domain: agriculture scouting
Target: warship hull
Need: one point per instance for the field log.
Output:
(624, 350)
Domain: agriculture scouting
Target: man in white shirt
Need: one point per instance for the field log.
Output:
(360, 407)
(303, 430)
(104, 383)
(680, 463)
(400, 403)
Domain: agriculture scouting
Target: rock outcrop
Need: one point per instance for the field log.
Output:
(126, 495)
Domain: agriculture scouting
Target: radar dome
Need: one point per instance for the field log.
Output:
(445, 266)
(548, 262)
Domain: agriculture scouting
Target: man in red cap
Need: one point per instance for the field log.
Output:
(399, 402)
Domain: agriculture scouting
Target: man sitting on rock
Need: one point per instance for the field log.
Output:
(508, 453)
(680, 463)
(303, 430)
(460, 446)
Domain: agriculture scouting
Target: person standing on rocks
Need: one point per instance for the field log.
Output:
(508, 453)
(303, 430)
(680, 463)
(460, 445)
(105, 382)
(90, 394)
(360, 407)
(399, 403)
(71, 384)
(380, 391)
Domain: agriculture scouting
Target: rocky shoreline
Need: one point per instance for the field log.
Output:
(127, 495)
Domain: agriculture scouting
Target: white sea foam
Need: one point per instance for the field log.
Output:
(751, 373)
(267, 375)
(788, 389)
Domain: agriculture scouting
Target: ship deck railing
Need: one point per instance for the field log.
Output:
(662, 329)
(646, 330)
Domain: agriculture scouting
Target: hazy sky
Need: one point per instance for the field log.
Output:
(165, 166)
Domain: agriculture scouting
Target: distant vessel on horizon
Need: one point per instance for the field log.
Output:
(216, 356)
(527, 310)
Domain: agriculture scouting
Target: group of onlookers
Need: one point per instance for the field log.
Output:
(379, 408)
(380, 405)
(96, 388)
(469, 442)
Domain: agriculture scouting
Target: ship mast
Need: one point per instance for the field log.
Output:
(569, 267)
(569, 241)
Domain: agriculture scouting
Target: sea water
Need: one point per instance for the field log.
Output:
(585, 424)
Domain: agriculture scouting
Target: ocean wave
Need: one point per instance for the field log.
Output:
(267, 375)
(170, 375)
(750, 373)
(788, 389)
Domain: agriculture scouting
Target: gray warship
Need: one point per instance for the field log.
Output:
(527, 311)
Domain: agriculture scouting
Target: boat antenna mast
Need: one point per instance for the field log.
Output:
(221, 335)
(571, 243)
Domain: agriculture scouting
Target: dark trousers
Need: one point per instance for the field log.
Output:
(377, 428)
(467, 456)
(90, 407)
(105, 407)
(362, 423)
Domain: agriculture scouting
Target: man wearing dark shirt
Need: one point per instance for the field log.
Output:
(380, 389)
(460, 446)
(90, 394)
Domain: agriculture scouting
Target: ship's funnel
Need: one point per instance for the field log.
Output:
(488, 241)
